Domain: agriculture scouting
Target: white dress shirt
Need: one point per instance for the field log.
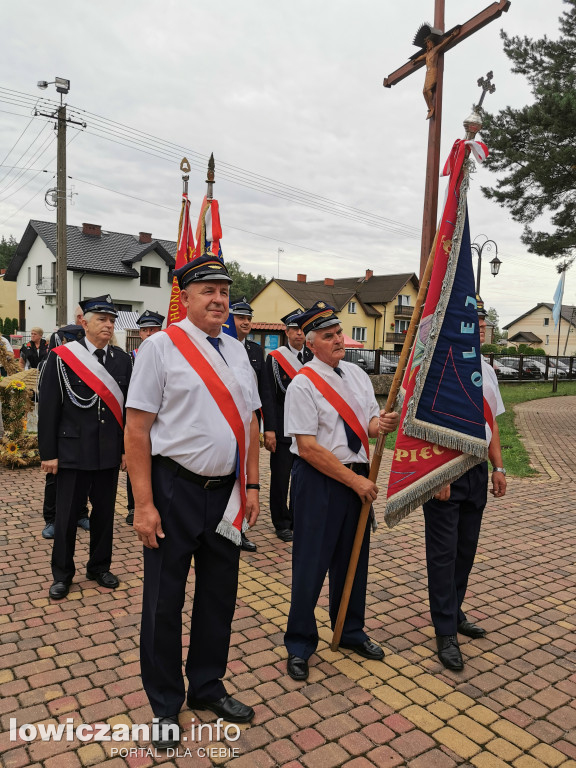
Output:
(92, 348)
(189, 427)
(491, 392)
(307, 412)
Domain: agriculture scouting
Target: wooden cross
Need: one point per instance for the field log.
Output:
(433, 58)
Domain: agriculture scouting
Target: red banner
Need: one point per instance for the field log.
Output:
(184, 254)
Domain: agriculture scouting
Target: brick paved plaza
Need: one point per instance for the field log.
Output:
(513, 705)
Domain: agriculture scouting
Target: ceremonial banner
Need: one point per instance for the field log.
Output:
(208, 236)
(442, 429)
(176, 310)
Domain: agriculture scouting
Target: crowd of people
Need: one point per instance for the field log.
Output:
(184, 414)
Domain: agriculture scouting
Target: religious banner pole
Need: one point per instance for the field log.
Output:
(434, 43)
(472, 125)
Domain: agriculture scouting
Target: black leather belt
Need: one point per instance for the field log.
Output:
(357, 466)
(208, 483)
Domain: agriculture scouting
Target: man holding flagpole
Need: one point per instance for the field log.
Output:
(80, 438)
(331, 412)
(192, 452)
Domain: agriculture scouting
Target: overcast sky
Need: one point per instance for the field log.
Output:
(290, 91)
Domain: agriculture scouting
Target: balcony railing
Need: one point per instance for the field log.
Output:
(46, 286)
(395, 338)
(402, 310)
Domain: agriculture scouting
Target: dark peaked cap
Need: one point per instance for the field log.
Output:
(202, 269)
(321, 315)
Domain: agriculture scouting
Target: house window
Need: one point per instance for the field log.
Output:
(352, 307)
(123, 307)
(547, 339)
(401, 326)
(39, 274)
(29, 275)
(403, 301)
(546, 322)
(150, 276)
(359, 334)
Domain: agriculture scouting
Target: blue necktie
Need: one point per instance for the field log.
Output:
(354, 442)
(215, 341)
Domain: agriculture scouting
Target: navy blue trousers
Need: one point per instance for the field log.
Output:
(73, 487)
(280, 467)
(452, 532)
(190, 515)
(325, 519)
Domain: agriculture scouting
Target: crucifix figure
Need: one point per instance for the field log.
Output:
(434, 43)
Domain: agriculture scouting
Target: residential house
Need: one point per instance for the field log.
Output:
(8, 301)
(536, 328)
(373, 309)
(134, 270)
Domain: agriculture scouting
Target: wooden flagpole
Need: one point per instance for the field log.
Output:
(375, 465)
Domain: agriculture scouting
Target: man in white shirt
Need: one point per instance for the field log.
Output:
(331, 411)
(452, 522)
(192, 451)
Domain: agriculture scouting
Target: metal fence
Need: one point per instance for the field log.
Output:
(507, 367)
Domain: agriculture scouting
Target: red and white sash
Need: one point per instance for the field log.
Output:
(227, 394)
(287, 360)
(94, 375)
(343, 401)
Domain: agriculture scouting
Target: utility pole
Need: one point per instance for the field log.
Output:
(62, 87)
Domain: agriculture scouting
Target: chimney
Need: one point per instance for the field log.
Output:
(92, 230)
(2, 271)
(328, 281)
(301, 278)
(145, 237)
(369, 274)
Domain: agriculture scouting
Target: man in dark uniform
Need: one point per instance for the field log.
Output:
(61, 336)
(80, 435)
(148, 323)
(242, 313)
(452, 526)
(280, 367)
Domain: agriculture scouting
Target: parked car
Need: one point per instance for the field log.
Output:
(367, 361)
(503, 371)
(529, 369)
(551, 369)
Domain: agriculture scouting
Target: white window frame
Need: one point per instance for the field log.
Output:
(359, 333)
(351, 307)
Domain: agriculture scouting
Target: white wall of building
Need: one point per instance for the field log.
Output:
(128, 291)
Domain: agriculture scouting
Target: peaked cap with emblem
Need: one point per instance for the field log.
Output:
(100, 304)
(202, 269)
(480, 308)
(149, 319)
(241, 308)
(321, 315)
(71, 332)
(290, 320)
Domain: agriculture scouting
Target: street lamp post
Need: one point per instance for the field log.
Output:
(490, 246)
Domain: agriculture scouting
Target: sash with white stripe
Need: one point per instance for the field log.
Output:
(94, 375)
(287, 360)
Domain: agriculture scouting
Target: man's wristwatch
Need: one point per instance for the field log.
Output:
(499, 469)
(252, 486)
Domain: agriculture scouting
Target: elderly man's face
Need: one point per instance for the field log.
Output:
(78, 316)
(206, 305)
(328, 345)
(99, 328)
(482, 328)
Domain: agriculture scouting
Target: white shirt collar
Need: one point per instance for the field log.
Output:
(91, 347)
(294, 350)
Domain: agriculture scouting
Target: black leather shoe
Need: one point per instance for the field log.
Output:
(59, 590)
(48, 531)
(297, 668)
(130, 517)
(285, 534)
(105, 579)
(229, 709)
(168, 730)
(247, 545)
(449, 652)
(471, 630)
(368, 649)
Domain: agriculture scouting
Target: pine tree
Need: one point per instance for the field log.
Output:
(534, 148)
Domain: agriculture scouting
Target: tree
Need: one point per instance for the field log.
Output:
(535, 147)
(494, 319)
(7, 250)
(245, 283)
